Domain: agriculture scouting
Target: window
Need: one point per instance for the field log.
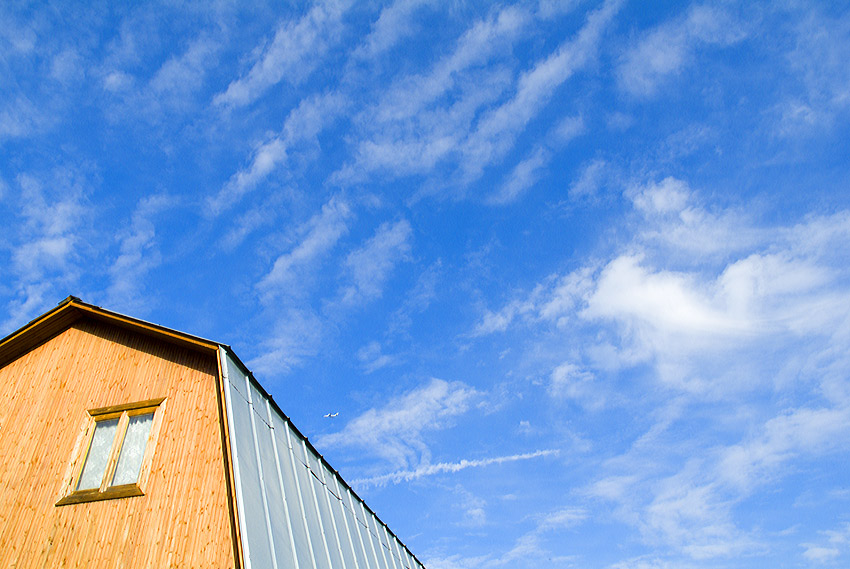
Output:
(119, 442)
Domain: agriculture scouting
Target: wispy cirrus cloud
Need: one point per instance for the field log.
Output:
(529, 546)
(372, 357)
(523, 177)
(293, 53)
(669, 48)
(395, 22)
(302, 125)
(823, 92)
(290, 270)
(692, 509)
(176, 84)
(495, 133)
(412, 94)
(416, 127)
(20, 117)
(765, 283)
(761, 305)
(422, 118)
(296, 329)
(371, 264)
(591, 181)
(529, 170)
(140, 84)
(833, 545)
(171, 90)
(296, 333)
(396, 431)
(138, 255)
(47, 248)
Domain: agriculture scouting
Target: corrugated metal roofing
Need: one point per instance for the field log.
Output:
(303, 514)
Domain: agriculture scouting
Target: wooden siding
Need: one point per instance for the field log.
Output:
(184, 518)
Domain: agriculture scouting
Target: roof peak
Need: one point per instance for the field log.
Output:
(72, 309)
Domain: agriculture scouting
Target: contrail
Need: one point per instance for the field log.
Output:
(427, 470)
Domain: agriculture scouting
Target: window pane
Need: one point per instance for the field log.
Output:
(133, 449)
(101, 444)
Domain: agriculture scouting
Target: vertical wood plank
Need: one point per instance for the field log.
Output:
(183, 518)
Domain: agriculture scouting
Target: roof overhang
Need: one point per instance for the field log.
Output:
(72, 309)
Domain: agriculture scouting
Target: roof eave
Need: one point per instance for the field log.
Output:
(72, 309)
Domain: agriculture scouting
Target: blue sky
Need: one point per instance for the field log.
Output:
(575, 275)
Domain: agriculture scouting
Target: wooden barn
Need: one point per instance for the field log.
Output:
(126, 444)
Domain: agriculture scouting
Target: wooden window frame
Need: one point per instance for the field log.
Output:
(123, 412)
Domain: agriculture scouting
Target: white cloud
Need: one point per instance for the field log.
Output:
(266, 157)
(51, 218)
(67, 67)
(250, 221)
(667, 49)
(802, 431)
(296, 334)
(649, 562)
(143, 83)
(474, 514)
(569, 381)
(569, 128)
(564, 518)
(830, 549)
(477, 45)
(297, 330)
(528, 550)
(499, 321)
(591, 180)
(303, 124)
(20, 117)
(118, 81)
(755, 284)
(418, 299)
(495, 133)
(178, 79)
(320, 234)
(372, 358)
(138, 255)
(524, 176)
(529, 170)
(667, 302)
(48, 245)
(30, 299)
(289, 297)
(690, 515)
(396, 431)
(692, 510)
(555, 299)
(553, 8)
(17, 36)
(820, 554)
(678, 320)
(370, 266)
(679, 226)
(394, 23)
(668, 196)
(422, 119)
(297, 48)
(818, 61)
(714, 308)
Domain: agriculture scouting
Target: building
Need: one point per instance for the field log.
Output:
(126, 444)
